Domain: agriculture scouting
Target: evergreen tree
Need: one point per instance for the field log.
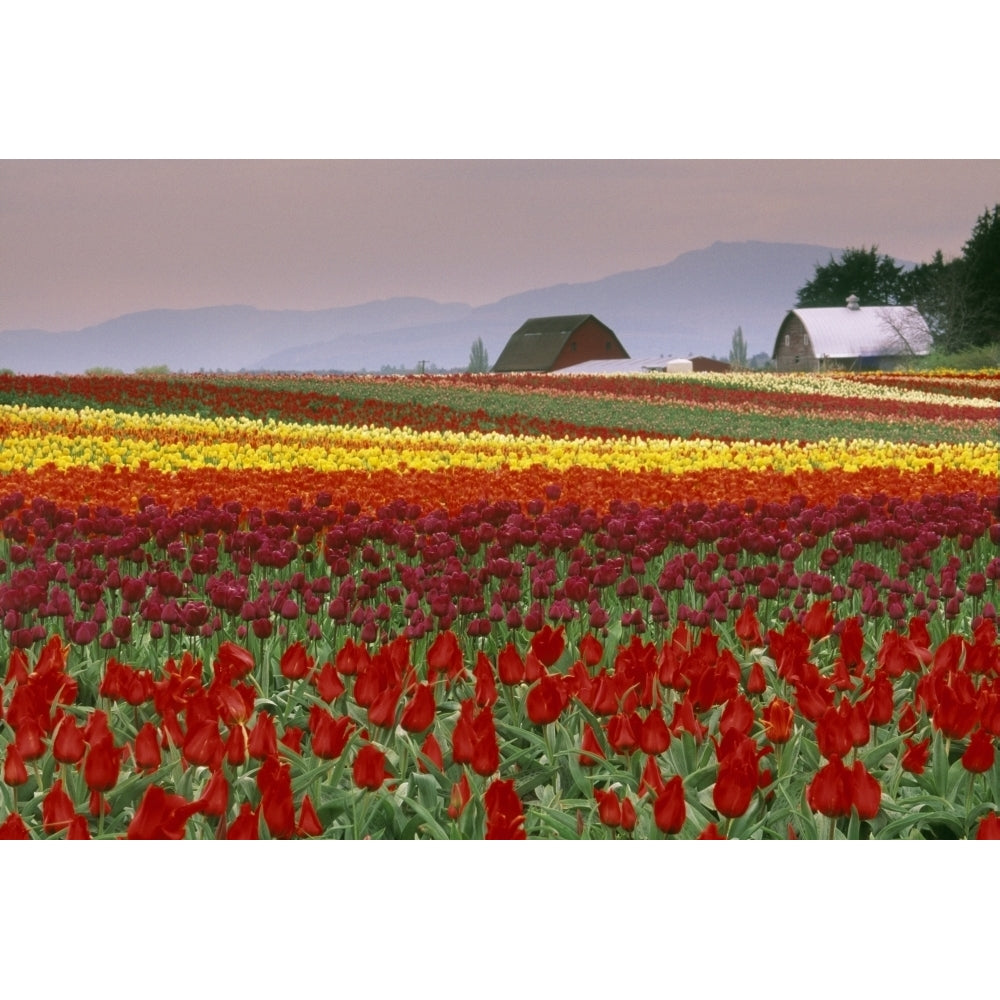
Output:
(877, 280)
(960, 299)
(738, 350)
(981, 267)
(938, 291)
(479, 359)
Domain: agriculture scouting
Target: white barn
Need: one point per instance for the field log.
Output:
(850, 337)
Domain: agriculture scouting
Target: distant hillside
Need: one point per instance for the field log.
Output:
(689, 306)
(219, 337)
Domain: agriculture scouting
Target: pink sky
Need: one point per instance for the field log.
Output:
(117, 194)
(84, 241)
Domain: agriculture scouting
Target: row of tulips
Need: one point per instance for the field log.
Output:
(799, 732)
(37, 437)
(450, 401)
(99, 573)
(770, 392)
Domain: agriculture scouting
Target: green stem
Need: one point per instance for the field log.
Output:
(360, 810)
(547, 734)
(968, 802)
(288, 702)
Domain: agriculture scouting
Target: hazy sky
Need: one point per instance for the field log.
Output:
(198, 154)
(83, 241)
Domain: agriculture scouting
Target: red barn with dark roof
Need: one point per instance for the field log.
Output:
(549, 343)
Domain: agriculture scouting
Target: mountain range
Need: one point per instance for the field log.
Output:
(688, 307)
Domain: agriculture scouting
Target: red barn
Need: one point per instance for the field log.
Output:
(549, 343)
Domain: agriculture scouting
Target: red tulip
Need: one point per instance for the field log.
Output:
(431, 749)
(328, 684)
(629, 818)
(102, 765)
(510, 666)
(756, 681)
(591, 752)
(980, 754)
(13, 828)
(215, 798)
(623, 732)
(274, 779)
(486, 750)
(14, 771)
(738, 715)
(818, 621)
(382, 709)
(461, 793)
(295, 661)
(989, 827)
(711, 832)
(203, 745)
(329, 734)
(670, 808)
(68, 745)
(504, 812)
(747, 628)
(246, 826)
(28, 739)
(866, 793)
(160, 816)
(147, 748)
(57, 809)
(545, 699)
(418, 713)
(486, 688)
(829, 792)
(591, 650)
(445, 655)
(654, 736)
(833, 735)
(609, 807)
(308, 824)
(738, 775)
(262, 741)
(915, 757)
(369, 768)
(548, 644)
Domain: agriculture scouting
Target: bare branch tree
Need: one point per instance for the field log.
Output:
(906, 331)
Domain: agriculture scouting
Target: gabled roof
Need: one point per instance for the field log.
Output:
(536, 344)
(864, 331)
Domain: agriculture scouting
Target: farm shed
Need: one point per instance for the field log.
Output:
(702, 364)
(551, 343)
(679, 365)
(850, 337)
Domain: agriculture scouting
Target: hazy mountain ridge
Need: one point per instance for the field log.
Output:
(689, 306)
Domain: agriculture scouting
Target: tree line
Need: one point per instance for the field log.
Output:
(959, 298)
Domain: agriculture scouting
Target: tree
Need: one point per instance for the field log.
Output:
(479, 359)
(877, 280)
(937, 289)
(738, 350)
(960, 299)
(904, 330)
(981, 266)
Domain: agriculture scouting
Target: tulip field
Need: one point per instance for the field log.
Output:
(746, 606)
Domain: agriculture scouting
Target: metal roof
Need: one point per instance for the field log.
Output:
(864, 331)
